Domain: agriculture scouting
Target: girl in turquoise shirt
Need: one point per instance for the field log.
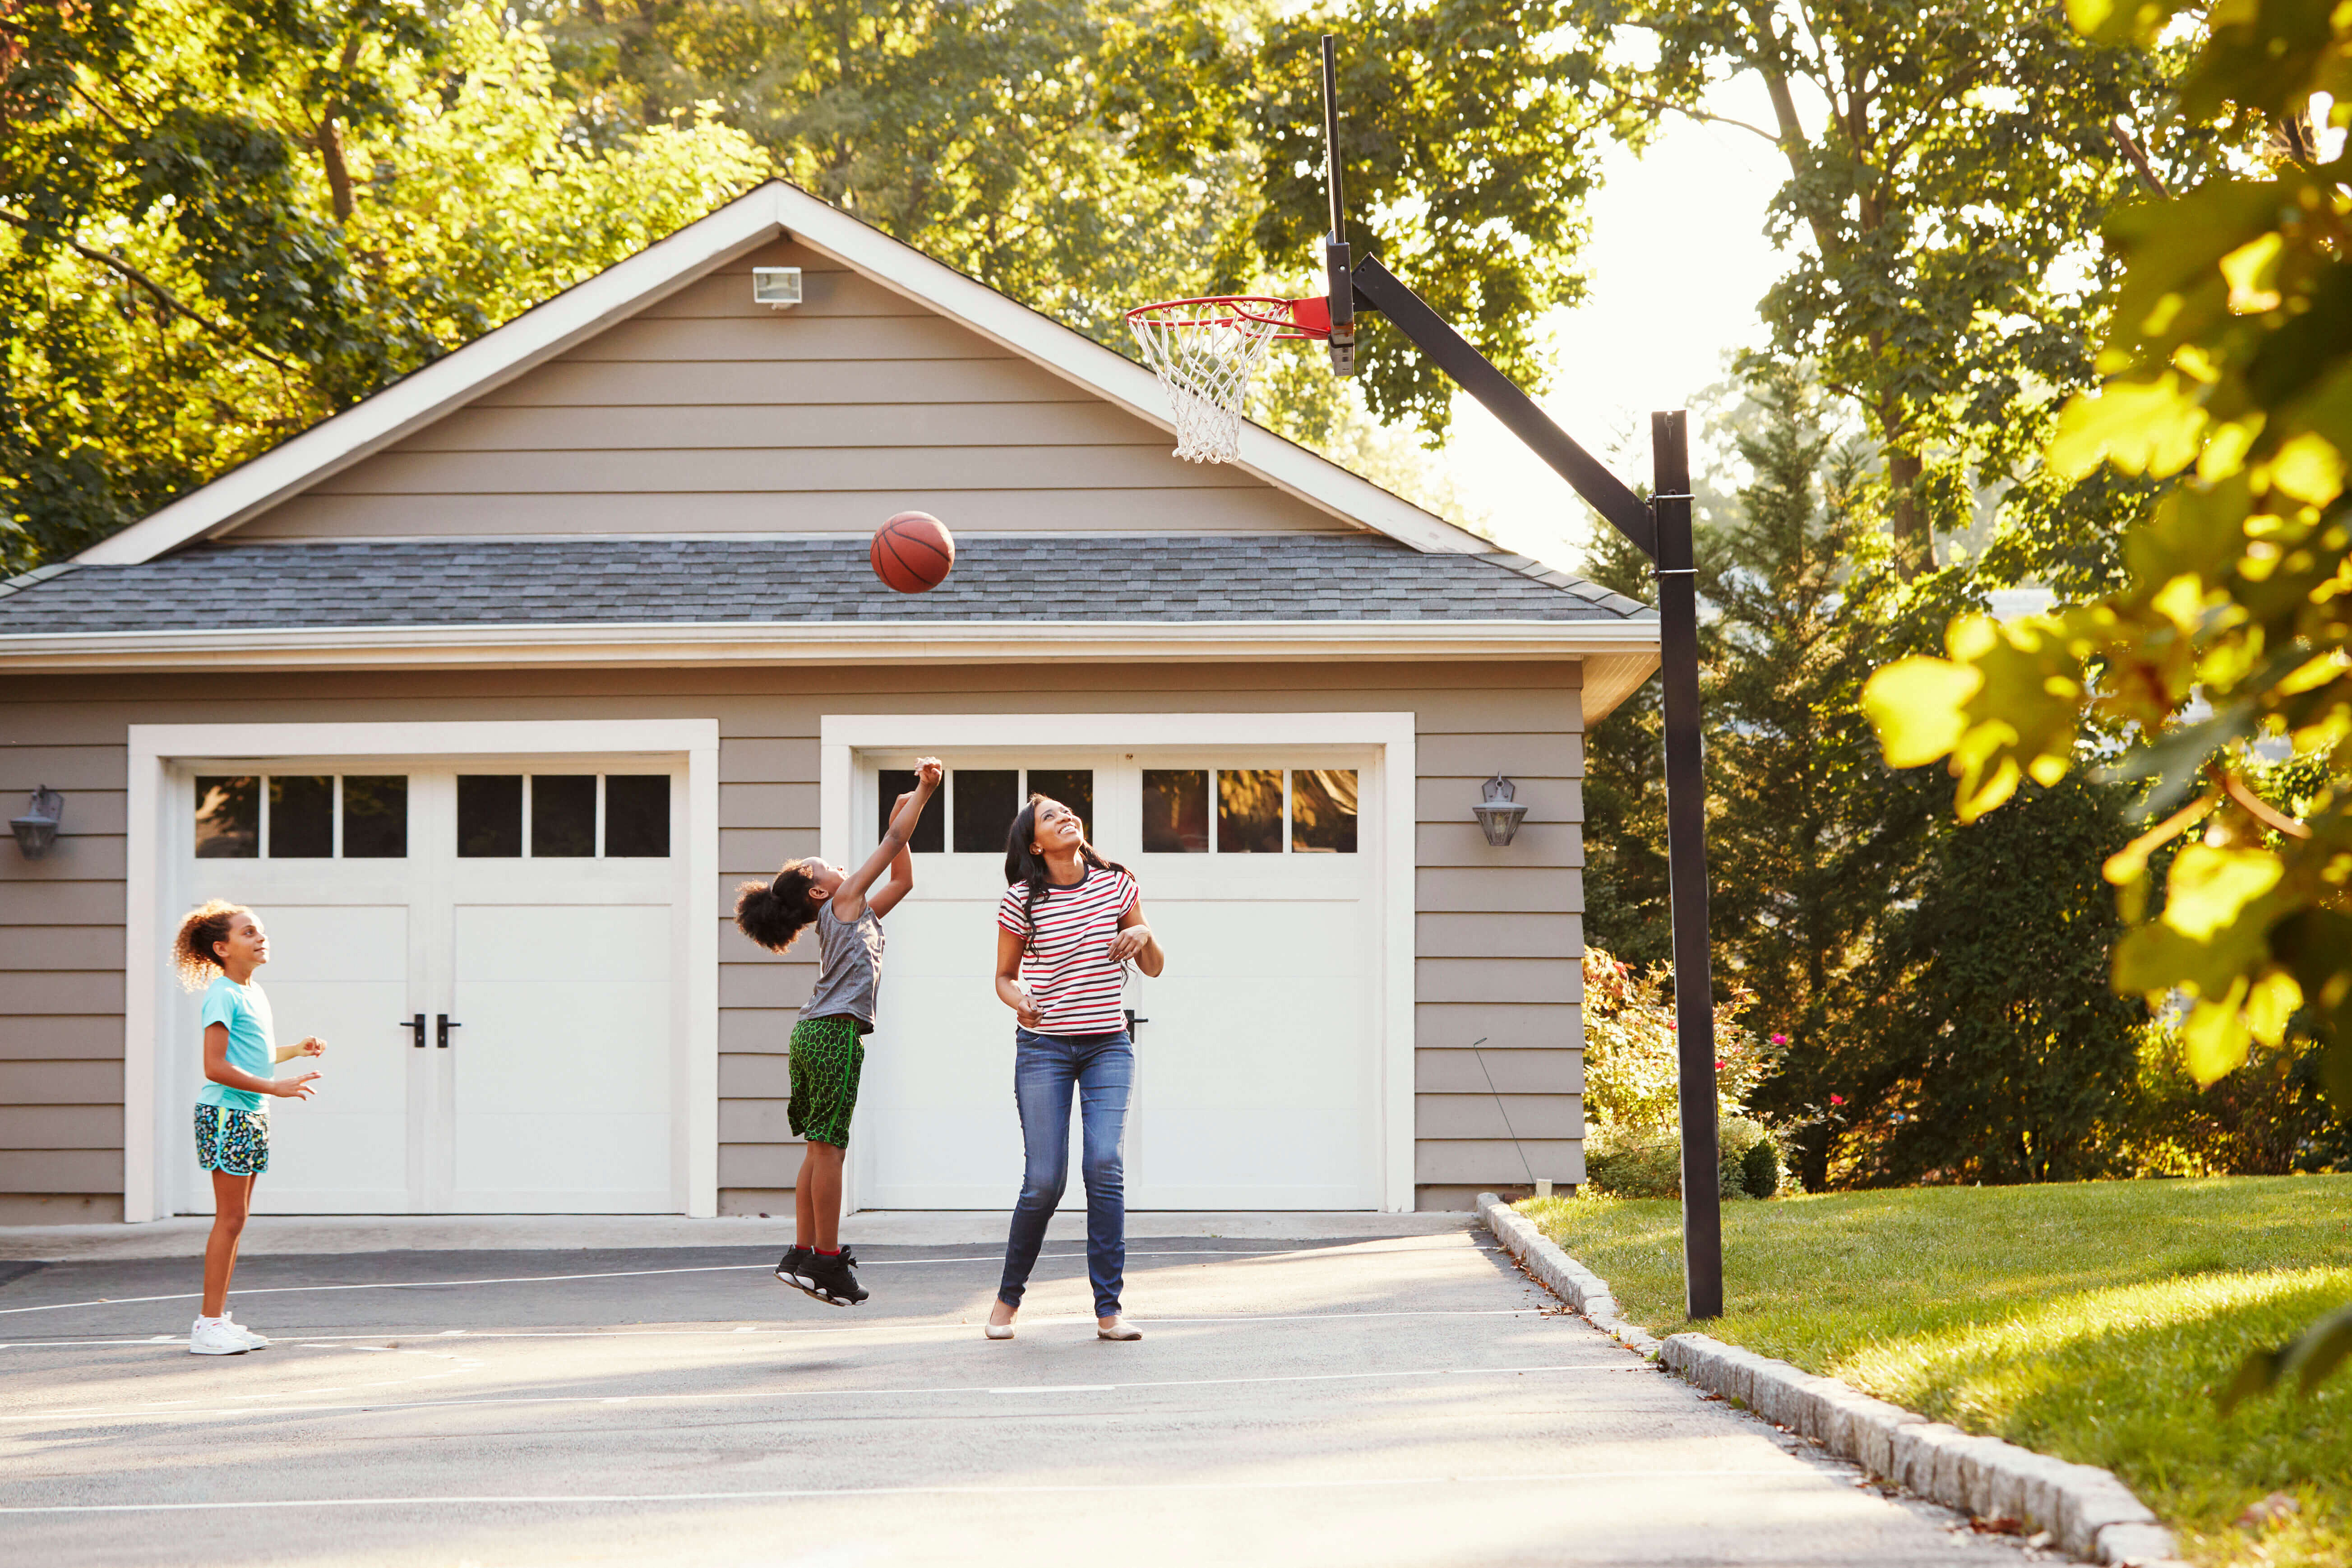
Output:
(219, 948)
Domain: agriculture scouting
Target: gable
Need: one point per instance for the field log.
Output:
(665, 332)
(708, 414)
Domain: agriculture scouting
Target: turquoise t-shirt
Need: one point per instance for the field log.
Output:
(251, 1049)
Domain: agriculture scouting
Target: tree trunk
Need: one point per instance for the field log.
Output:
(1915, 533)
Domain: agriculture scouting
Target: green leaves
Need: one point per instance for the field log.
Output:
(2308, 1358)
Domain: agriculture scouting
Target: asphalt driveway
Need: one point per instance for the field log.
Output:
(1410, 1399)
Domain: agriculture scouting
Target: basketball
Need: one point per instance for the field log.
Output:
(913, 551)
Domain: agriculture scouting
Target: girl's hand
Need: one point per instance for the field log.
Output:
(1026, 1010)
(312, 1045)
(297, 1087)
(1129, 942)
(929, 771)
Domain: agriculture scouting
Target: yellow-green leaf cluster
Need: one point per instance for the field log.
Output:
(2229, 375)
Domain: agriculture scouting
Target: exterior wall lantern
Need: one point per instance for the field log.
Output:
(1498, 815)
(38, 828)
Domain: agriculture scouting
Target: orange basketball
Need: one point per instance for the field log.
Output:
(913, 551)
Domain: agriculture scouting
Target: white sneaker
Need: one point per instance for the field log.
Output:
(218, 1336)
(254, 1337)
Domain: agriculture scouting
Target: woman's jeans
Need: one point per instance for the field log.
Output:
(1045, 1068)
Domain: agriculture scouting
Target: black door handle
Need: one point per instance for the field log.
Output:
(1133, 1020)
(417, 1023)
(442, 1024)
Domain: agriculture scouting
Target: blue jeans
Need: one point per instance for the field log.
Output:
(1045, 1069)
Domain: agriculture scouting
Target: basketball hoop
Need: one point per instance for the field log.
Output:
(1203, 351)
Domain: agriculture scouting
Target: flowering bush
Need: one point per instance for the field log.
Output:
(1631, 1070)
(1630, 1053)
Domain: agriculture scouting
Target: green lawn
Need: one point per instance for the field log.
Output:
(2090, 1321)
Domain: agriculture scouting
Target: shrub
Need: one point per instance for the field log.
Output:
(1750, 1161)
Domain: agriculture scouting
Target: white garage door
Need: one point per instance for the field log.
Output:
(490, 954)
(1258, 1059)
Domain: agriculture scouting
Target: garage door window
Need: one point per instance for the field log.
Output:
(562, 816)
(975, 806)
(1260, 811)
(301, 816)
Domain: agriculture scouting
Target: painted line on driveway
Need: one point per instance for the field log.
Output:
(726, 1268)
(1791, 1471)
(168, 1341)
(720, 1396)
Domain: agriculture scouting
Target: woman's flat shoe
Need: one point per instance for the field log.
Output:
(1119, 1329)
(998, 1330)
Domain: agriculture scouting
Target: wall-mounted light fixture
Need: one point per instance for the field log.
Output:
(777, 288)
(38, 828)
(1498, 815)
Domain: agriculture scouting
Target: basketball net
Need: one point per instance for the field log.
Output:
(1203, 351)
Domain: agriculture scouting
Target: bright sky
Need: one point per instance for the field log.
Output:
(1677, 259)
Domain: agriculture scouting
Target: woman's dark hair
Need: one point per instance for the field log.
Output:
(774, 912)
(1023, 864)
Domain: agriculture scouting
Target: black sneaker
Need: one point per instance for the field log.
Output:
(792, 1268)
(830, 1281)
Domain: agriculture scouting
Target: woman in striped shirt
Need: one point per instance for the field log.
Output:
(1069, 924)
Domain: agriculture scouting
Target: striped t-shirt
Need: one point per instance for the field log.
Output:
(1067, 968)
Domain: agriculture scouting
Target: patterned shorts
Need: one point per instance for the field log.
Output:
(827, 1054)
(234, 1142)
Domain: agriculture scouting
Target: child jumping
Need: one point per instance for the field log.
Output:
(828, 1048)
(219, 948)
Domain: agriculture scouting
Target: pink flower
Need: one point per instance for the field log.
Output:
(1780, 1039)
(1718, 1067)
(1837, 1099)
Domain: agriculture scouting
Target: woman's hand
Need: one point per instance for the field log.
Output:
(1128, 942)
(296, 1087)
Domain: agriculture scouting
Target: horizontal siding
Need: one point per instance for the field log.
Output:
(977, 466)
(1025, 510)
(756, 384)
(875, 428)
(85, 1172)
(62, 1082)
(776, 1201)
(1542, 1071)
(61, 1126)
(1498, 932)
(1527, 1117)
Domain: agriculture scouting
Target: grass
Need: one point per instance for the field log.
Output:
(2093, 1322)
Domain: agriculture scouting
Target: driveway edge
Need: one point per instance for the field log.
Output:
(2087, 1511)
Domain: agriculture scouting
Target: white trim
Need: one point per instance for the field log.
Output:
(752, 219)
(840, 735)
(823, 642)
(151, 837)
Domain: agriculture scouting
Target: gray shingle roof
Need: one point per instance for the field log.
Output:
(1040, 577)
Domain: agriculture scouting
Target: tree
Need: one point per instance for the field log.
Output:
(1811, 843)
(223, 224)
(1087, 155)
(2230, 361)
(1949, 194)
(1996, 1051)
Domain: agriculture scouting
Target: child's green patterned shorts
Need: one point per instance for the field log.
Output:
(827, 1054)
(234, 1142)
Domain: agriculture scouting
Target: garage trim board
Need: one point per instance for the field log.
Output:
(157, 754)
(1386, 738)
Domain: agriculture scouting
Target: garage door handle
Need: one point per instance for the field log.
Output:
(417, 1023)
(1133, 1020)
(442, 1024)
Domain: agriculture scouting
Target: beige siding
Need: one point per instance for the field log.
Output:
(708, 414)
(1498, 931)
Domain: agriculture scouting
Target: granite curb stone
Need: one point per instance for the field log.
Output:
(2087, 1511)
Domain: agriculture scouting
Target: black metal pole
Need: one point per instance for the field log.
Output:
(1687, 865)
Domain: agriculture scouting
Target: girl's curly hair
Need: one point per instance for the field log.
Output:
(774, 912)
(191, 951)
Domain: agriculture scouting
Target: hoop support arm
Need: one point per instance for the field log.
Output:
(1476, 374)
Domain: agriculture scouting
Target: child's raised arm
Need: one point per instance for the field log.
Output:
(850, 899)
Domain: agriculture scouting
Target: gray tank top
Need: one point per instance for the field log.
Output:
(848, 963)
